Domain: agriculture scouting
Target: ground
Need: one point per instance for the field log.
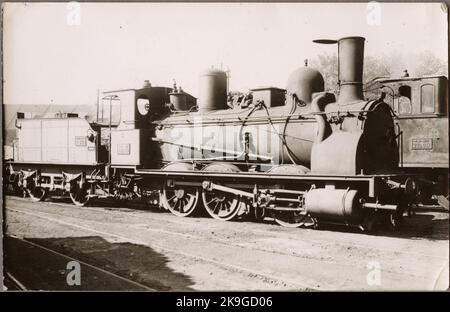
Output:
(166, 253)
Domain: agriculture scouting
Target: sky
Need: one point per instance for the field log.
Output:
(52, 54)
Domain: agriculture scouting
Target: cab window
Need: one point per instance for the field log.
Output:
(427, 98)
(109, 108)
(404, 100)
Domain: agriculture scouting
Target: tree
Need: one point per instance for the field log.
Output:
(429, 64)
(386, 65)
(327, 64)
(375, 67)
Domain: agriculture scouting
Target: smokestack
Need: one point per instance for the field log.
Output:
(351, 63)
(350, 67)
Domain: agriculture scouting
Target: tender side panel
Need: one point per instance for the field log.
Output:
(81, 149)
(55, 137)
(60, 141)
(29, 144)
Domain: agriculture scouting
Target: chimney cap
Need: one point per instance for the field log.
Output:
(325, 41)
(333, 41)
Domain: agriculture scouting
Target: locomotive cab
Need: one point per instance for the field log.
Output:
(409, 96)
(138, 107)
(420, 105)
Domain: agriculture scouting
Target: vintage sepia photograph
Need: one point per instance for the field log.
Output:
(225, 146)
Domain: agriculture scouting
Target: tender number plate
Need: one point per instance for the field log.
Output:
(80, 141)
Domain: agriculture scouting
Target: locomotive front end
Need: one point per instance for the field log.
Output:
(355, 137)
(358, 135)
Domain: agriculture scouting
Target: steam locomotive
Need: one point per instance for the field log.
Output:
(301, 156)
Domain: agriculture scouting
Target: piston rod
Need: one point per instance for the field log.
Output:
(208, 185)
(380, 206)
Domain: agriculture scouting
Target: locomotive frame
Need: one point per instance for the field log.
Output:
(347, 144)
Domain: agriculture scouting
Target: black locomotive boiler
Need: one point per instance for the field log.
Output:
(300, 155)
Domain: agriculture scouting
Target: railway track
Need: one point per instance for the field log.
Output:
(96, 276)
(268, 278)
(243, 232)
(189, 230)
(12, 283)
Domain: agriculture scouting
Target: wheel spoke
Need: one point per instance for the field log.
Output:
(36, 193)
(176, 206)
(216, 207)
(221, 206)
(79, 196)
(212, 200)
(179, 201)
(183, 205)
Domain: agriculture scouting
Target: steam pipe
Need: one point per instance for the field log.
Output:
(318, 106)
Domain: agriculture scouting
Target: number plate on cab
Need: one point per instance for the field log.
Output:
(123, 149)
(422, 144)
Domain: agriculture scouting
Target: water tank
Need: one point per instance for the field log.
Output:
(213, 90)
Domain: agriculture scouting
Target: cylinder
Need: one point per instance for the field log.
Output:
(334, 203)
(213, 90)
(351, 62)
